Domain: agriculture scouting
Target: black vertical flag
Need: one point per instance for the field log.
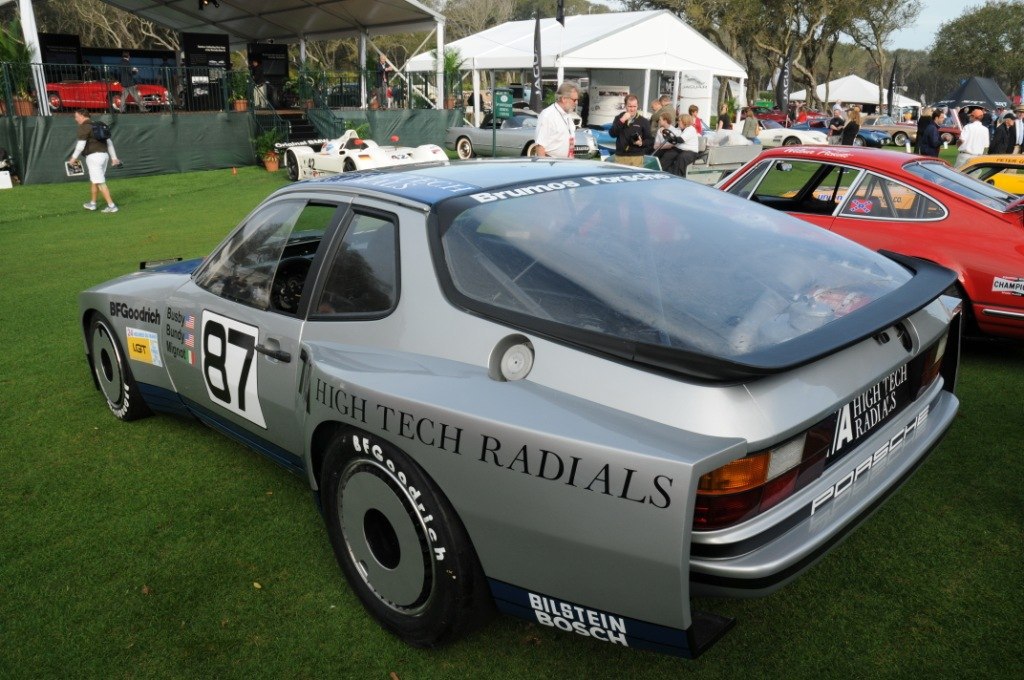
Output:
(560, 12)
(782, 85)
(892, 86)
(535, 91)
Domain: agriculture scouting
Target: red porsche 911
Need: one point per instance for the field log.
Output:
(907, 204)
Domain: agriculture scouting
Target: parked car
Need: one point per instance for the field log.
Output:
(902, 133)
(100, 95)
(515, 136)
(765, 113)
(774, 134)
(579, 392)
(320, 157)
(1005, 171)
(865, 136)
(908, 204)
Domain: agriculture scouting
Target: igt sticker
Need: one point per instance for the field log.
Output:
(143, 346)
(229, 369)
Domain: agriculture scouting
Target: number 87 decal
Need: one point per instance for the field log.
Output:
(229, 370)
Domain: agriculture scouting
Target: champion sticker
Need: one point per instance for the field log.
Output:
(144, 347)
(1013, 285)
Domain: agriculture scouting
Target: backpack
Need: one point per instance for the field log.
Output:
(100, 131)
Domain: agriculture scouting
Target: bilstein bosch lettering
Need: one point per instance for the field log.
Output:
(142, 314)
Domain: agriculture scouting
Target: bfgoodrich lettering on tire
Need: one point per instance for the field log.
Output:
(113, 374)
(399, 542)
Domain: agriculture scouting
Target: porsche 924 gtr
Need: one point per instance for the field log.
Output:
(322, 157)
(512, 383)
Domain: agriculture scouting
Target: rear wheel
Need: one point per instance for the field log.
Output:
(900, 139)
(464, 148)
(530, 149)
(859, 141)
(115, 101)
(349, 165)
(56, 103)
(790, 141)
(399, 542)
(113, 374)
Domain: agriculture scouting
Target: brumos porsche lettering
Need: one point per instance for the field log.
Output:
(631, 177)
(889, 448)
(487, 197)
(580, 620)
(143, 314)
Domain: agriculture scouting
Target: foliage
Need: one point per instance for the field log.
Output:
(984, 42)
(238, 84)
(98, 24)
(263, 143)
(872, 28)
(17, 57)
(452, 68)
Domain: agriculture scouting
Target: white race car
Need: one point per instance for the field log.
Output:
(773, 134)
(321, 157)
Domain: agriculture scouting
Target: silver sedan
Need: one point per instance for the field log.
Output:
(515, 136)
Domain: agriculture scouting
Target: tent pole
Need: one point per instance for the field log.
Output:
(647, 90)
(362, 70)
(477, 113)
(440, 65)
(31, 36)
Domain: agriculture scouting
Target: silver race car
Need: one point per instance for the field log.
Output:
(577, 392)
(322, 157)
(515, 136)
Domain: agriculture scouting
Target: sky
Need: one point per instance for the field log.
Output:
(933, 14)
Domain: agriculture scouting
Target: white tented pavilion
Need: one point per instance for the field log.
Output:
(651, 53)
(853, 89)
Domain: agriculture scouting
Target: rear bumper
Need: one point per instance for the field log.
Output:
(732, 564)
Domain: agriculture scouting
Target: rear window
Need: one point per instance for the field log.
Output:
(970, 188)
(647, 258)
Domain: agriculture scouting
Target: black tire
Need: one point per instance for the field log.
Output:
(113, 374)
(530, 149)
(900, 139)
(790, 141)
(291, 164)
(464, 148)
(349, 165)
(860, 141)
(399, 542)
(56, 103)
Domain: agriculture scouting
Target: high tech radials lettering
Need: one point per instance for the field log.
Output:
(1013, 285)
(580, 620)
(143, 346)
(424, 430)
(143, 314)
(488, 196)
(617, 482)
(347, 405)
(867, 410)
(889, 448)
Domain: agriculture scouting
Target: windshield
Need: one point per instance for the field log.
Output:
(968, 187)
(647, 258)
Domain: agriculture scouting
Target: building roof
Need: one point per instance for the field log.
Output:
(656, 40)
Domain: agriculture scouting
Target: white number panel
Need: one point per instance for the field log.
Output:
(229, 365)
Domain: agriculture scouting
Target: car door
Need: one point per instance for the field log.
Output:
(239, 322)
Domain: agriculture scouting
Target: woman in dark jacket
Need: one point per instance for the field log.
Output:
(930, 141)
(852, 127)
(922, 124)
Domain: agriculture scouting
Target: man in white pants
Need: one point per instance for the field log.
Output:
(973, 138)
(97, 155)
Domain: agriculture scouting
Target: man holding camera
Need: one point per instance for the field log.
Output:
(632, 133)
(556, 130)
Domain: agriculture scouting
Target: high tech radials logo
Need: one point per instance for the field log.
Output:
(143, 314)
(1013, 285)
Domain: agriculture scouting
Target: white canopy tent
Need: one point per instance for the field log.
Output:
(611, 48)
(853, 89)
(286, 21)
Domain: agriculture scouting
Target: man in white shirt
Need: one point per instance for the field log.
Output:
(556, 131)
(1019, 147)
(973, 137)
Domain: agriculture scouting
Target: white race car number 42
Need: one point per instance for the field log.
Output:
(229, 365)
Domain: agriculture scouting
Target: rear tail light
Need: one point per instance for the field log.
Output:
(746, 487)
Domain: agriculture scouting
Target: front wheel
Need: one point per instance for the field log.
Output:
(113, 374)
(291, 164)
(56, 104)
(900, 139)
(790, 141)
(464, 148)
(114, 102)
(860, 141)
(946, 137)
(399, 542)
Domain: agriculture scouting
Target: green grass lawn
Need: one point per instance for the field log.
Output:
(162, 549)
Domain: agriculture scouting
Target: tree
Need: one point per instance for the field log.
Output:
(984, 42)
(874, 24)
(101, 25)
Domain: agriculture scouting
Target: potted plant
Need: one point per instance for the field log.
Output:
(452, 67)
(264, 146)
(310, 83)
(238, 93)
(18, 69)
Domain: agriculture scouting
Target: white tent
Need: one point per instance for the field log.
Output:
(612, 47)
(853, 90)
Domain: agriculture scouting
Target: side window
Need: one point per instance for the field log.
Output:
(886, 199)
(746, 185)
(362, 278)
(264, 263)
